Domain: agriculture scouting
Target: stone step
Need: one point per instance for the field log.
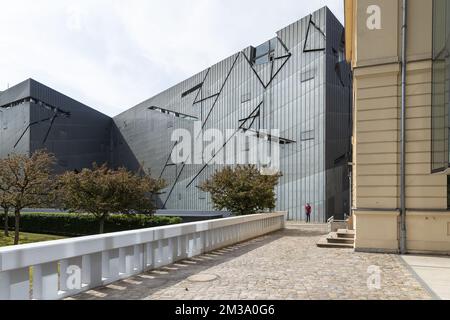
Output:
(307, 225)
(323, 243)
(344, 233)
(335, 238)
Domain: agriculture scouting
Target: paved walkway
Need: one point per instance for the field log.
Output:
(434, 271)
(283, 265)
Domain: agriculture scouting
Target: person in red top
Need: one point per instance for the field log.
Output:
(308, 210)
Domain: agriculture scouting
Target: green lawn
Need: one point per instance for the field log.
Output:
(25, 238)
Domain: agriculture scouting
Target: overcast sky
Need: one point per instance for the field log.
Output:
(113, 54)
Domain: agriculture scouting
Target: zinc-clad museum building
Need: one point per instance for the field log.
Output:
(297, 82)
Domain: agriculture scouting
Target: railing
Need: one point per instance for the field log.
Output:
(58, 269)
(335, 225)
(329, 224)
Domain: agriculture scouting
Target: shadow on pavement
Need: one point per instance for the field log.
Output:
(144, 285)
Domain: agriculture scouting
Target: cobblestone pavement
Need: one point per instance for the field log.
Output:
(284, 265)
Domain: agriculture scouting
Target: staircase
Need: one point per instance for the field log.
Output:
(343, 238)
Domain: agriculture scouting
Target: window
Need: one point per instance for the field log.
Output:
(265, 53)
(193, 89)
(173, 113)
(315, 37)
(339, 55)
(441, 86)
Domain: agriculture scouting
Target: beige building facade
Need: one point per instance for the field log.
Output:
(374, 47)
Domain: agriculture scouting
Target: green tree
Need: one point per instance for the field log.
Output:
(27, 182)
(101, 191)
(242, 190)
(5, 187)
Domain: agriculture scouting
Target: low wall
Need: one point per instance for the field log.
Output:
(67, 267)
(426, 232)
(376, 231)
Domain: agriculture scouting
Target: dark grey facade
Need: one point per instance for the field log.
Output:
(34, 116)
(296, 82)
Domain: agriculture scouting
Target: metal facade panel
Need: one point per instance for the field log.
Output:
(16, 93)
(292, 95)
(77, 141)
(13, 121)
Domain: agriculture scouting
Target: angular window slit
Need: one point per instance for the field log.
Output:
(173, 114)
(193, 89)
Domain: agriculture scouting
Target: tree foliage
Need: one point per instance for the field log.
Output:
(78, 225)
(101, 191)
(242, 190)
(25, 182)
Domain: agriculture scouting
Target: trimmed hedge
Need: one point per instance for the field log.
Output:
(74, 224)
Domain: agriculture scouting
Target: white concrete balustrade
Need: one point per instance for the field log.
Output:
(58, 269)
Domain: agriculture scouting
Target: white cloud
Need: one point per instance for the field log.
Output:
(113, 54)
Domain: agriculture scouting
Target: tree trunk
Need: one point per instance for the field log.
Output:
(102, 224)
(6, 210)
(16, 226)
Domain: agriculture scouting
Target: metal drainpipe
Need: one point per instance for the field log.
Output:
(350, 193)
(403, 136)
